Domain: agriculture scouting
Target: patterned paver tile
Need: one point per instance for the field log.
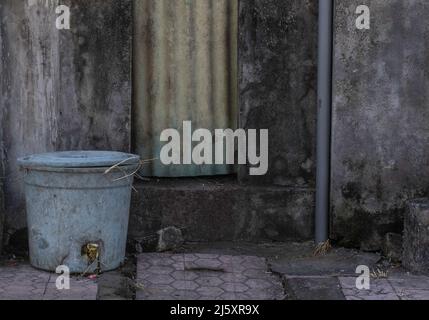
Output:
(80, 289)
(209, 281)
(210, 292)
(410, 282)
(235, 287)
(410, 294)
(205, 277)
(185, 285)
(380, 289)
(410, 287)
(22, 282)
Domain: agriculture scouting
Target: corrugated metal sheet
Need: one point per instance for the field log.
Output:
(185, 68)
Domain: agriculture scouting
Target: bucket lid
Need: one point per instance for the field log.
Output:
(79, 159)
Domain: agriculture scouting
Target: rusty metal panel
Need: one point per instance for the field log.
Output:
(185, 69)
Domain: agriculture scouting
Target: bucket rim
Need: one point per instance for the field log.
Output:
(78, 159)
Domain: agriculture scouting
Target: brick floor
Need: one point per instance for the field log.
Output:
(216, 276)
(380, 289)
(22, 282)
(205, 277)
(392, 288)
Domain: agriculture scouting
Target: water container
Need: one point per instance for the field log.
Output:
(78, 208)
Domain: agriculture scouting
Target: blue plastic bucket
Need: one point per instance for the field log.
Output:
(78, 208)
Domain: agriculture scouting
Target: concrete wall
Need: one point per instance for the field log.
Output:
(2, 211)
(277, 85)
(2, 173)
(277, 80)
(277, 54)
(62, 89)
(71, 90)
(380, 154)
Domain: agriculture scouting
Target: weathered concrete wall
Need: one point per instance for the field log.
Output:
(2, 173)
(277, 91)
(62, 89)
(277, 85)
(380, 154)
(222, 210)
(71, 90)
(2, 211)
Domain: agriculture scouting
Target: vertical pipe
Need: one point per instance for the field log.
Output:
(324, 96)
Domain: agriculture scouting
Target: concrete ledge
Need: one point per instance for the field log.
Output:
(221, 209)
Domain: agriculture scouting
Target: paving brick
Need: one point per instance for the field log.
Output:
(410, 294)
(160, 270)
(184, 285)
(206, 277)
(179, 258)
(207, 264)
(211, 292)
(254, 273)
(258, 284)
(380, 289)
(182, 275)
(185, 295)
(209, 281)
(409, 287)
(158, 279)
(233, 296)
(22, 282)
(235, 287)
(190, 257)
(313, 288)
(161, 262)
(410, 282)
(234, 277)
(257, 294)
(157, 291)
(207, 256)
(255, 262)
(80, 289)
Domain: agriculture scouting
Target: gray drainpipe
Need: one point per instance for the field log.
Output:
(324, 97)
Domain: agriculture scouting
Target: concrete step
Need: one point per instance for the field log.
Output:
(221, 209)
